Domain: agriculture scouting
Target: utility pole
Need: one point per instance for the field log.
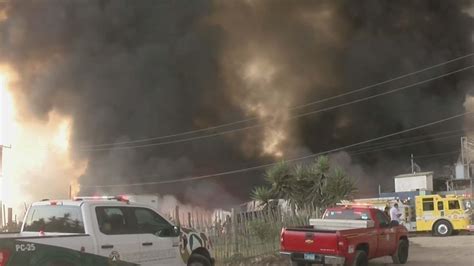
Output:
(412, 164)
(2, 189)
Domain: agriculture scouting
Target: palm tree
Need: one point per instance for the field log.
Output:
(341, 187)
(263, 195)
(306, 186)
(280, 178)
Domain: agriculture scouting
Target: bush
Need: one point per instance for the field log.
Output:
(262, 230)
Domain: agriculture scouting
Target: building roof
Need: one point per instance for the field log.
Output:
(414, 174)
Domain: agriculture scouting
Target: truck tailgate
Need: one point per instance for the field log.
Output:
(309, 240)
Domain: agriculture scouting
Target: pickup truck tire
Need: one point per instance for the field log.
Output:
(442, 228)
(360, 258)
(198, 260)
(401, 254)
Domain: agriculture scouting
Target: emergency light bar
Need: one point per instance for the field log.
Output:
(117, 198)
(355, 204)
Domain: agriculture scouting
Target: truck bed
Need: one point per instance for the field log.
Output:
(324, 236)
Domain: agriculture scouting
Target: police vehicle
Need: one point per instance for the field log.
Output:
(101, 231)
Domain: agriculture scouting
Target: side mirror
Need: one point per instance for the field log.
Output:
(394, 223)
(176, 231)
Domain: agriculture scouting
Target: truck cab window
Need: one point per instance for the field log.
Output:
(428, 204)
(113, 221)
(454, 205)
(440, 206)
(54, 219)
(150, 222)
(383, 219)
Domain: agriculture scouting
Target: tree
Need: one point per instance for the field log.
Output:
(341, 187)
(306, 186)
(280, 179)
(263, 195)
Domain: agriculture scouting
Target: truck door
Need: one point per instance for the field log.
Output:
(386, 236)
(159, 244)
(456, 214)
(116, 239)
(424, 221)
(440, 207)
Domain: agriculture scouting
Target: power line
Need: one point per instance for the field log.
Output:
(291, 108)
(437, 154)
(402, 145)
(400, 141)
(287, 119)
(187, 179)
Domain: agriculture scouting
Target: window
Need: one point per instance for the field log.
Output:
(454, 205)
(383, 219)
(150, 222)
(348, 214)
(467, 204)
(54, 219)
(440, 205)
(428, 204)
(113, 221)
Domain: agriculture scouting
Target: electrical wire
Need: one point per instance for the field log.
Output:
(188, 179)
(402, 140)
(437, 154)
(402, 145)
(291, 108)
(287, 119)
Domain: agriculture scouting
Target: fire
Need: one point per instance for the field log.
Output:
(39, 164)
(62, 136)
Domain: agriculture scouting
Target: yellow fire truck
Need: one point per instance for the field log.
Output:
(441, 215)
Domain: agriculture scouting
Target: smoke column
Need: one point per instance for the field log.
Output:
(124, 70)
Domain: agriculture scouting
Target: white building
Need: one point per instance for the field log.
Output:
(412, 182)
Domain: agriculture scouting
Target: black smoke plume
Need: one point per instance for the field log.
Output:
(126, 70)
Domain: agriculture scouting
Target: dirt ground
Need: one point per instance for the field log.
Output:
(428, 250)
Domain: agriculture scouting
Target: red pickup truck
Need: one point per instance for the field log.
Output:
(339, 241)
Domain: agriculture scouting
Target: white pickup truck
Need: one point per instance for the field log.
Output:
(101, 231)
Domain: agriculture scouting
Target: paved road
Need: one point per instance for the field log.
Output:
(428, 250)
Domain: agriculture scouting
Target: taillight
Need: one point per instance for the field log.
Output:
(282, 234)
(4, 255)
(341, 244)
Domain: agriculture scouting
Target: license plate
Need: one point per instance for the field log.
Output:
(309, 256)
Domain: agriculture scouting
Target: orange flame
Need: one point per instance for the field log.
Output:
(39, 164)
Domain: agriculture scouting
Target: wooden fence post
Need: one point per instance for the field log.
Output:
(233, 223)
(176, 215)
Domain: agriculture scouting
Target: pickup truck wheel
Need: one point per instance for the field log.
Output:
(442, 228)
(401, 254)
(198, 260)
(360, 259)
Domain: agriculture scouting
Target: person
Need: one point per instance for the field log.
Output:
(387, 211)
(394, 213)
